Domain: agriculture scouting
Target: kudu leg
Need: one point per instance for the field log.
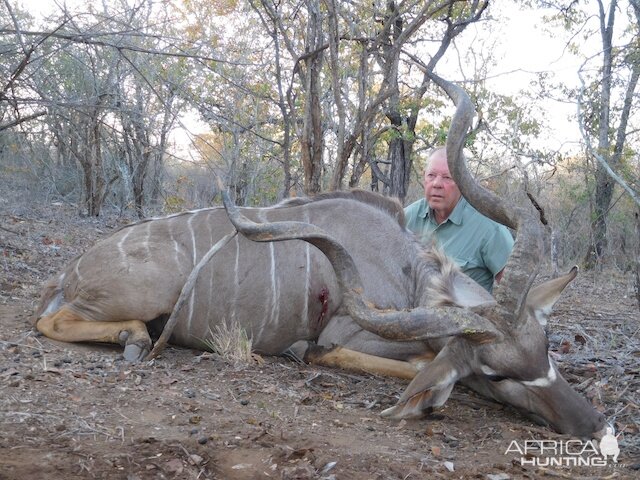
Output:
(68, 326)
(340, 357)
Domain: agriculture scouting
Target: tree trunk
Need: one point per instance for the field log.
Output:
(604, 193)
(312, 138)
(604, 184)
(92, 164)
(400, 160)
(395, 154)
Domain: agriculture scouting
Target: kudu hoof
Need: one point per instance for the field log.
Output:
(134, 353)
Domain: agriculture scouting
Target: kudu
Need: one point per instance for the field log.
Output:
(351, 275)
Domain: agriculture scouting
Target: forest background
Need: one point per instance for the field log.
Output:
(133, 105)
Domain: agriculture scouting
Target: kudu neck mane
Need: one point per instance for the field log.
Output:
(439, 272)
(389, 205)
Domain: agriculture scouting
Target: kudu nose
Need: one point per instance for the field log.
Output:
(603, 431)
(592, 427)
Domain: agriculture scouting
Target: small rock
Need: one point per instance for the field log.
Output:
(175, 466)
(189, 393)
(244, 402)
(203, 440)
(498, 476)
(195, 459)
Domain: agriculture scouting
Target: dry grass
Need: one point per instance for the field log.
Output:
(231, 342)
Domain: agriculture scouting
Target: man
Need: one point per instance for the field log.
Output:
(478, 245)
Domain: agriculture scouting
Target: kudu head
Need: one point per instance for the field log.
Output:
(516, 367)
(496, 344)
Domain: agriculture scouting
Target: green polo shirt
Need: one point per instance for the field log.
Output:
(477, 244)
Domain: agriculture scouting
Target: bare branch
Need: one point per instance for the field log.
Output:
(20, 120)
(605, 165)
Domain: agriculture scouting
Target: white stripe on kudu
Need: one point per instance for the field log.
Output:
(194, 257)
(176, 247)
(307, 274)
(147, 237)
(543, 381)
(236, 279)
(120, 245)
(275, 302)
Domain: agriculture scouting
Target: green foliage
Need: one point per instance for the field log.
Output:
(174, 204)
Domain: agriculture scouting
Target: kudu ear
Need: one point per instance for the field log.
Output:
(542, 297)
(432, 385)
(468, 293)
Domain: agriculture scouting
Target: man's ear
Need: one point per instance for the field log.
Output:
(432, 385)
(542, 297)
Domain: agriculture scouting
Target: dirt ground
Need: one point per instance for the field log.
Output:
(79, 411)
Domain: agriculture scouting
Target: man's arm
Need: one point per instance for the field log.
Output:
(498, 251)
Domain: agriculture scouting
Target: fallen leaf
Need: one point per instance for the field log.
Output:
(175, 466)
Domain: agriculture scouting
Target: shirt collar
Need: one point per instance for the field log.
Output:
(455, 217)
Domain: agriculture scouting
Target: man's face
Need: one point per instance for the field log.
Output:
(440, 190)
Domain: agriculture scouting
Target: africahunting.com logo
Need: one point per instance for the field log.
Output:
(566, 453)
